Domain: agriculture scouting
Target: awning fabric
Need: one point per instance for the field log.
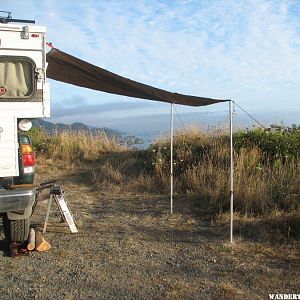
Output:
(67, 68)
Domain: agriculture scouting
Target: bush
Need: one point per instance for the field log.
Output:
(39, 139)
(275, 142)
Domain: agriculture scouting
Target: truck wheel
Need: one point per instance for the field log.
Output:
(15, 230)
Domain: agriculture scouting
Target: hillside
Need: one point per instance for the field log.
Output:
(75, 127)
(121, 137)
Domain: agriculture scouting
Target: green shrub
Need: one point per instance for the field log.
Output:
(39, 139)
(275, 142)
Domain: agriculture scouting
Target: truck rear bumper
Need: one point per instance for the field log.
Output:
(17, 199)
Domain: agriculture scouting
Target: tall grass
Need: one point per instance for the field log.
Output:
(267, 166)
(265, 180)
(72, 146)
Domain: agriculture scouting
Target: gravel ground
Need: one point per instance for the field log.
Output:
(130, 247)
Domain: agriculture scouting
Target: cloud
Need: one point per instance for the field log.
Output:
(74, 101)
(78, 106)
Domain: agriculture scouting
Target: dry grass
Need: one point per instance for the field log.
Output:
(82, 146)
(71, 146)
(129, 246)
(267, 192)
(201, 167)
(276, 227)
(229, 291)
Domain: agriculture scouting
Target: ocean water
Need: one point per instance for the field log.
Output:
(148, 139)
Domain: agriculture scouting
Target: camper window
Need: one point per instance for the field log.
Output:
(16, 79)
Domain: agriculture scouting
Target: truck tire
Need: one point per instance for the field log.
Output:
(15, 230)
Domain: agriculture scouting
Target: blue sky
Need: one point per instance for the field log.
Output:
(245, 50)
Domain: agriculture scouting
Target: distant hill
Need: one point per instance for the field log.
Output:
(121, 137)
(75, 127)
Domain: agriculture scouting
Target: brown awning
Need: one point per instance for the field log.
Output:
(67, 68)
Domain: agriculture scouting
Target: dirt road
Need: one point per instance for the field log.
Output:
(130, 247)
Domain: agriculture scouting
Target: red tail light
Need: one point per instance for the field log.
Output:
(28, 158)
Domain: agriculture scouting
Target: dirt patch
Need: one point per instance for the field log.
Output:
(130, 247)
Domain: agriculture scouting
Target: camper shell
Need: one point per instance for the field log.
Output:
(24, 94)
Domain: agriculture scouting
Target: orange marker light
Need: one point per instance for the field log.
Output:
(27, 149)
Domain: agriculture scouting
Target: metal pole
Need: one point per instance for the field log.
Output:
(171, 160)
(231, 171)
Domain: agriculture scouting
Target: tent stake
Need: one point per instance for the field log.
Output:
(231, 171)
(171, 160)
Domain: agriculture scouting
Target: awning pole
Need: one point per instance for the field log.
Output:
(231, 171)
(171, 160)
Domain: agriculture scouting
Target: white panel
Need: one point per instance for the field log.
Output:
(22, 109)
(12, 39)
(9, 164)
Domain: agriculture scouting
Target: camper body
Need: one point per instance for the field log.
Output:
(24, 95)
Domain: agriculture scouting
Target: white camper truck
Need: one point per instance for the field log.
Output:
(24, 95)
